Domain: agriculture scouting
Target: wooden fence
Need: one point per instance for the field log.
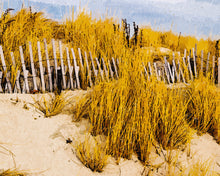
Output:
(61, 77)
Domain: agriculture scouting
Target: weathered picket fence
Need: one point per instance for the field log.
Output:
(63, 77)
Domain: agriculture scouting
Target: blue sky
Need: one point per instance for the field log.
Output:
(194, 17)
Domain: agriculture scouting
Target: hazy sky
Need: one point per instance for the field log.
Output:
(196, 17)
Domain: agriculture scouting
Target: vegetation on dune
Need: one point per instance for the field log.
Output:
(133, 113)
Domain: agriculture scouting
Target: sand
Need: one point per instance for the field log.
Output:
(37, 145)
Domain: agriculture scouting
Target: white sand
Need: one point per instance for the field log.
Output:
(39, 144)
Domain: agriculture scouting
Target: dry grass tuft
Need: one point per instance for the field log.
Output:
(52, 106)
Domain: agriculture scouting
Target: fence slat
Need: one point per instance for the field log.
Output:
(100, 70)
(80, 59)
(76, 69)
(48, 66)
(145, 69)
(110, 69)
(5, 69)
(181, 72)
(150, 69)
(115, 68)
(213, 68)
(41, 67)
(17, 82)
(70, 68)
(166, 69)
(194, 61)
(32, 66)
(13, 59)
(190, 68)
(105, 69)
(62, 65)
(207, 64)
(24, 69)
(202, 62)
(89, 71)
(156, 73)
(55, 63)
(93, 66)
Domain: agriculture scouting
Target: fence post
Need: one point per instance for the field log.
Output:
(5, 69)
(76, 69)
(62, 65)
(41, 67)
(32, 66)
(48, 65)
(70, 68)
(24, 69)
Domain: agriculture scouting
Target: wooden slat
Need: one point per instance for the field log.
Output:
(207, 64)
(24, 70)
(76, 69)
(48, 66)
(100, 70)
(93, 66)
(194, 61)
(62, 65)
(170, 72)
(80, 59)
(89, 71)
(5, 69)
(213, 68)
(32, 66)
(13, 59)
(115, 68)
(189, 67)
(55, 63)
(156, 73)
(166, 69)
(175, 71)
(105, 69)
(17, 82)
(181, 72)
(150, 69)
(41, 67)
(201, 69)
(110, 69)
(145, 69)
(70, 68)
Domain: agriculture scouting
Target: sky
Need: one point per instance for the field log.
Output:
(190, 17)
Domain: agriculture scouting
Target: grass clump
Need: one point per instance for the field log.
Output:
(52, 106)
(202, 113)
(135, 115)
(12, 172)
(92, 154)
